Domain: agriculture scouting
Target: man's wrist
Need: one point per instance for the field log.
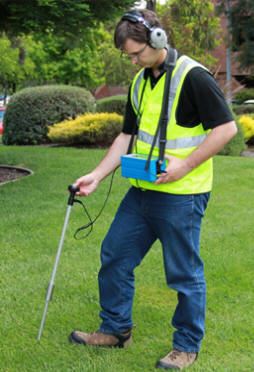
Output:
(189, 163)
(97, 175)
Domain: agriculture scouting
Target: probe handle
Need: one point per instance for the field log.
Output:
(73, 190)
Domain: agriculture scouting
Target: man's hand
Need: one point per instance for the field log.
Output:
(176, 169)
(214, 142)
(87, 184)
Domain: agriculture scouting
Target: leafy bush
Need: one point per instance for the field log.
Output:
(89, 129)
(32, 110)
(247, 124)
(243, 109)
(112, 104)
(236, 146)
(244, 94)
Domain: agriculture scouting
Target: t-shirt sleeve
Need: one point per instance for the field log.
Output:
(130, 117)
(208, 98)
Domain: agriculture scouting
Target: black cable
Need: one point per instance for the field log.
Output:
(92, 221)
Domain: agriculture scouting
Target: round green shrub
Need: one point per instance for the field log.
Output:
(244, 94)
(237, 145)
(112, 104)
(32, 110)
(243, 109)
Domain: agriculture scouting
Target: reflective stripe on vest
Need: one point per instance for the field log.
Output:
(136, 89)
(177, 143)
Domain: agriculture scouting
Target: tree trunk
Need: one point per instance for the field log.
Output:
(151, 5)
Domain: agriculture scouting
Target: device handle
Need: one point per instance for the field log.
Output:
(73, 190)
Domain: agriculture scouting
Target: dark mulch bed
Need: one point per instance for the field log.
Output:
(11, 173)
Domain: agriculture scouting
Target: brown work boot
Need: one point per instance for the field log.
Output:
(101, 339)
(177, 360)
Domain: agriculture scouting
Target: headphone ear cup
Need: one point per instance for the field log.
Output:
(158, 38)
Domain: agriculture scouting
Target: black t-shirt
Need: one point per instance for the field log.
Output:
(200, 101)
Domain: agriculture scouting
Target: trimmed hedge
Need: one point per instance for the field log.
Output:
(32, 110)
(236, 146)
(243, 109)
(244, 94)
(89, 129)
(112, 104)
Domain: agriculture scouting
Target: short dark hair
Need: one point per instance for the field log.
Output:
(136, 31)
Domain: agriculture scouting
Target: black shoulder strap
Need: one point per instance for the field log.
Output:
(163, 120)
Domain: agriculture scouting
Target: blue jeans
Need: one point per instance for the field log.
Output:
(142, 218)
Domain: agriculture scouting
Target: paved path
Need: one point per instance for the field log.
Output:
(249, 152)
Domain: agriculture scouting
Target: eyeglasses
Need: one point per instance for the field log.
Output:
(135, 54)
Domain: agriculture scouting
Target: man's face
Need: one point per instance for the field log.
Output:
(140, 53)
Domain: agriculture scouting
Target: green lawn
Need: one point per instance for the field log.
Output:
(32, 213)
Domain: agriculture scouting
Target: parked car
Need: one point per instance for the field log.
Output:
(2, 111)
(249, 102)
(4, 100)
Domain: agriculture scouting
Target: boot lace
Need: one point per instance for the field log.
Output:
(175, 354)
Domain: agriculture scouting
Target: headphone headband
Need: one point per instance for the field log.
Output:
(136, 17)
(157, 36)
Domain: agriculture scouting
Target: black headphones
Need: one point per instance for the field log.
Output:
(157, 36)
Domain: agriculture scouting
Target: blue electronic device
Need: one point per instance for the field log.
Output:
(133, 166)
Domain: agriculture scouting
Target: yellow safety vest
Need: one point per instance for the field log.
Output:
(181, 141)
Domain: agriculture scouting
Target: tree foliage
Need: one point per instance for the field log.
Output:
(12, 71)
(61, 38)
(47, 61)
(67, 41)
(81, 65)
(116, 70)
(192, 26)
(241, 16)
(68, 18)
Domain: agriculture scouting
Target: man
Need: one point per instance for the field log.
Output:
(169, 209)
